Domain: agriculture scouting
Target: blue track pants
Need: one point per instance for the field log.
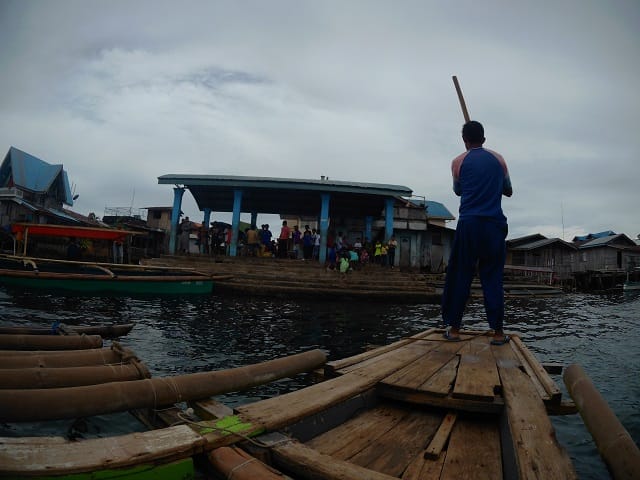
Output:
(478, 242)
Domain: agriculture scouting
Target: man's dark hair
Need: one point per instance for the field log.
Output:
(473, 132)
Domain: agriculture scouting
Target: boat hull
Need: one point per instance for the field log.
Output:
(136, 285)
(631, 286)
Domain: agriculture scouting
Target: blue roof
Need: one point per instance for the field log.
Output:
(438, 210)
(591, 236)
(613, 240)
(30, 173)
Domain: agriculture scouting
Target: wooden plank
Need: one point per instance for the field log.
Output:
(537, 451)
(309, 464)
(424, 469)
(477, 373)
(278, 412)
(404, 354)
(440, 383)
(99, 453)
(527, 368)
(334, 366)
(210, 409)
(356, 434)
(474, 451)
(419, 371)
(426, 399)
(441, 437)
(547, 382)
(392, 453)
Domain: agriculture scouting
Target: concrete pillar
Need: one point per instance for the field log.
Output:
(324, 226)
(207, 218)
(368, 221)
(388, 217)
(178, 192)
(235, 222)
(254, 219)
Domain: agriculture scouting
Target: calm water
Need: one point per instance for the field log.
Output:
(174, 336)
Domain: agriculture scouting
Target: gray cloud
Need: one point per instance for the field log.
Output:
(122, 92)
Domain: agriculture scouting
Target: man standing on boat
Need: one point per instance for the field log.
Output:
(480, 179)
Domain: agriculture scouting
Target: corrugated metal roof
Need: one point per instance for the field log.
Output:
(591, 236)
(286, 195)
(620, 238)
(438, 210)
(544, 243)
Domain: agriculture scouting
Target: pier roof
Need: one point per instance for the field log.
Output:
(286, 195)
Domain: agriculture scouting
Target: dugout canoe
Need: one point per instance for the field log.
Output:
(105, 331)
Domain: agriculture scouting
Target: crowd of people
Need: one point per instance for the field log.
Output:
(292, 243)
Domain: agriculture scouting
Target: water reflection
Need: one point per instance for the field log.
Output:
(184, 335)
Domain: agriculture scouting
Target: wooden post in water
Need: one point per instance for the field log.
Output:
(614, 443)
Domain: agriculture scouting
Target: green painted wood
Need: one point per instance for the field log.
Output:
(179, 470)
(177, 287)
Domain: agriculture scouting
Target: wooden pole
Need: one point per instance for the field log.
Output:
(73, 402)
(461, 98)
(614, 443)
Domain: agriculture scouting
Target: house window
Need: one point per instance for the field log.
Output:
(157, 214)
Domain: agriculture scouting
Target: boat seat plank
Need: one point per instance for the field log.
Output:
(39, 457)
(392, 452)
(357, 433)
(419, 371)
(477, 373)
(308, 463)
(537, 451)
(474, 451)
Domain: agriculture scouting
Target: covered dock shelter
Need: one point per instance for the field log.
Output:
(323, 198)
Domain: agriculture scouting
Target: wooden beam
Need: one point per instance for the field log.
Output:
(537, 452)
(441, 437)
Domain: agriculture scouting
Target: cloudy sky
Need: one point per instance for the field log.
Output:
(121, 92)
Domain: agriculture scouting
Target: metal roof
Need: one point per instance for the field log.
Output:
(619, 240)
(30, 173)
(438, 210)
(286, 196)
(544, 243)
(591, 236)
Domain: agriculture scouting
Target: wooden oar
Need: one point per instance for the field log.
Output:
(461, 98)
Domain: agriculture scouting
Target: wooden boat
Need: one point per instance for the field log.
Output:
(420, 408)
(95, 277)
(105, 331)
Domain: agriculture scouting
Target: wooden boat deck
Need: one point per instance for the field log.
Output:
(489, 420)
(420, 408)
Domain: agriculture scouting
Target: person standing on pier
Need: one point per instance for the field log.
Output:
(480, 179)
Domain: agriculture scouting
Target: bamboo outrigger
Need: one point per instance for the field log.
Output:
(105, 331)
(421, 408)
